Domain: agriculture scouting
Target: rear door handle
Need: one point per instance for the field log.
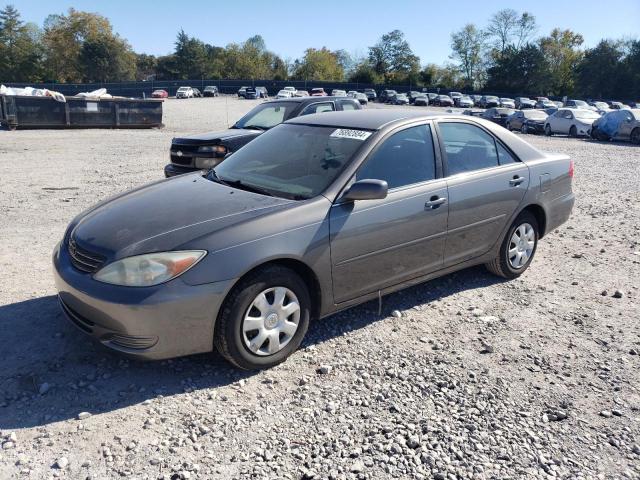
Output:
(434, 202)
(515, 181)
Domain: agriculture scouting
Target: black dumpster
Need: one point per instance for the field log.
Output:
(79, 112)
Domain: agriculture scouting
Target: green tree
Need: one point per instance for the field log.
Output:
(318, 64)
(599, 69)
(64, 39)
(392, 58)
(468, 45)
(562, 55)
(20, 52)
(146, 66)
(519, 71)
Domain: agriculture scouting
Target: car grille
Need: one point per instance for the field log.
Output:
(132, 342)
(78, 320)
(84, 260)
(187, 152)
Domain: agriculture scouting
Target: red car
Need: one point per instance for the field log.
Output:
(318, 92)
(160, 94)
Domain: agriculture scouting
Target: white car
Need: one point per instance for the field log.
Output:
(571, 121)
(338, 93)
(293, 90)
(185, 92)
(284, 94)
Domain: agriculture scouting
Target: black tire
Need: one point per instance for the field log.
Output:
(508, 125)
(573, 131)
(635, 136)
(500, 265)
(547, 130)
(523, 129)
(228, 337)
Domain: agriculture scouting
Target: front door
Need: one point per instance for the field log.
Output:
(379, 243)
(486, 184)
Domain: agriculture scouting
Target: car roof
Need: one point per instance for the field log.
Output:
(363, 119)
(308, 99)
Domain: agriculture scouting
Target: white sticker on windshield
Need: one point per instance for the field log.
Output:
(353, 134)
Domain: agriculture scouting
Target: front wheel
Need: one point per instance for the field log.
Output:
(547, 130)
(517, 249)
(264, 319)
(635, 136)
(573, 131)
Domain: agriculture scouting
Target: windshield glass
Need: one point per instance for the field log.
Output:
(267, 115)
(183, 89)
(586, 114)
(292, 161)
(535, 114)
(580, 103)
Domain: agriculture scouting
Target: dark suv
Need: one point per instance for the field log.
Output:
(206, 150)
(255, 92)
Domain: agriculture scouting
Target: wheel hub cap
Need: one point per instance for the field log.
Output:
(521, 245)
(271, 321)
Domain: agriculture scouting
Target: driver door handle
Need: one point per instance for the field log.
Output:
(434, 202)
(517, 180)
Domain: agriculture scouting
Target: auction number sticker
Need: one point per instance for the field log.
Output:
(352, 134)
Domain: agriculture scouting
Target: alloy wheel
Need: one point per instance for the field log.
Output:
(521, 246)
(271, 321)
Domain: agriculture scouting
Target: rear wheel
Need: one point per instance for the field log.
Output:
(635, 136)
(523, 128)
(547, 130)
(573, 131)
(264, 319)
(517, 249)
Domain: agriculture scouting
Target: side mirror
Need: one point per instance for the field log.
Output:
(366, 190)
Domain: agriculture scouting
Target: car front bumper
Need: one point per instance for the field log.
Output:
(173, 170)
(151, 323)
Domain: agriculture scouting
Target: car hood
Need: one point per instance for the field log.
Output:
(167, 215)
(215, 137)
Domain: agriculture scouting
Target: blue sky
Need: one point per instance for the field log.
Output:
(289, 27)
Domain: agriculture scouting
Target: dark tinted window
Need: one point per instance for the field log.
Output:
(403, 159)
(468, 147)
(318, 108)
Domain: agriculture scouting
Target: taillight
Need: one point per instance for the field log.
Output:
(571, 168)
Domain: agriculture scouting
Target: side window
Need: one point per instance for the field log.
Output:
(348, 106)
(504, 156)
(468, 147)
(404, 158)
(318, 108)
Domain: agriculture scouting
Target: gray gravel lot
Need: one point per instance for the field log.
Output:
(464, 377)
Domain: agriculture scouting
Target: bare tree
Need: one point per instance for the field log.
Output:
(502, 28)
(526, 28)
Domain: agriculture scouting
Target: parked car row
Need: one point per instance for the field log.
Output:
(187, 92)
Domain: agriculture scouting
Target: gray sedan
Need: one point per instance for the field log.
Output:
(321, 213)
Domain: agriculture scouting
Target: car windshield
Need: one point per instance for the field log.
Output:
(291, 161)
(580, 103)
(183, 89)
(266, 115)
(492, 98)
(506, 100)
(535, 114)
(586, 114)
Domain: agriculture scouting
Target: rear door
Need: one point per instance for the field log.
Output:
(379, 243)
(486, 184)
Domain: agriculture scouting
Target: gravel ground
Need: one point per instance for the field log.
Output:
(464, 377)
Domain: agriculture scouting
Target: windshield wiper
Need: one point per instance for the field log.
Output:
(213, 176)
(256, 127)
(249, 188)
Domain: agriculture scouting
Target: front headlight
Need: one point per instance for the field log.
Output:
(217, 149)
(149, 269)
